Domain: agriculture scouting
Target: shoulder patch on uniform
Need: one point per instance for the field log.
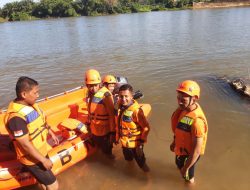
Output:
(106, 94)
(26, 110)
(128, 113)
(99, 94)
(187, 120)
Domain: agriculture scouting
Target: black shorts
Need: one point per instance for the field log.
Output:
(132, 153)
(103, 142)
(42, 175)
(180, 162)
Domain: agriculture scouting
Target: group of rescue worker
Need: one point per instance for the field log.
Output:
(109, 123)
(112, 118)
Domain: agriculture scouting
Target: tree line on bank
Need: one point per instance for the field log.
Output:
(28, 9)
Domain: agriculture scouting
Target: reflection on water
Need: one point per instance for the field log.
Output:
(155, 51)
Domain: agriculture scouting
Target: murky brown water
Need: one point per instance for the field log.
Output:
(155, 51)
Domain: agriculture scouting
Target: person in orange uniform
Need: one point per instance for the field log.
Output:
(132, 127)
(26, 125)
(109, 82)
(190, 128)
(101, 112)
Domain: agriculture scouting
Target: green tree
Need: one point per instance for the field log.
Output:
(54, 8)
(9, 8)
(24, 6)
(19, 16)
(79, 6)
(183, 3)
(169, 3)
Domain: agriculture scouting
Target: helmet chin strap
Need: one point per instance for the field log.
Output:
(189, 101)
(189, 104)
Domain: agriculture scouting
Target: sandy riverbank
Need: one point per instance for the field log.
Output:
(204, 5)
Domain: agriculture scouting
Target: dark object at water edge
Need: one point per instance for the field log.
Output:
(241, 85)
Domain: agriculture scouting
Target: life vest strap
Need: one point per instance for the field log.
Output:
(44, 128)
(129, 129)
(34, 132)
(129, 135)
(102, 115)
(99, 118)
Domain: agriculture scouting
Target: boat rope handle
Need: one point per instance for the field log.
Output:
(62, 93)
(74, 146)
(53, 96)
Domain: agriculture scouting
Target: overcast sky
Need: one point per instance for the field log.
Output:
(3, 2)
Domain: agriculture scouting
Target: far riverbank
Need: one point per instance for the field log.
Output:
(210, 5)
(29, 10)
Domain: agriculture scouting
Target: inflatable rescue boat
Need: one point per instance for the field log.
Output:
(66, 114)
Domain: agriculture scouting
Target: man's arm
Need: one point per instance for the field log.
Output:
(194, 155)
(174, 121)
(143, 122)
(53, 136)
(198, 132)
(109, 105)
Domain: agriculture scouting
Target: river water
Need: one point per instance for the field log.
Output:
(155, 51)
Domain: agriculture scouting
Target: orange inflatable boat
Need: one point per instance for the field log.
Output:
(66, 114)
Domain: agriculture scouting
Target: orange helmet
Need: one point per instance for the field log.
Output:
(92, 77)
(189, 87)
(109, 79)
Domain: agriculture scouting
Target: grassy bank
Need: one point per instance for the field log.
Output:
(3, 20)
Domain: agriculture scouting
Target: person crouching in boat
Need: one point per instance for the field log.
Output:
(190, 128)
(101, 112)
(26, 125)
(132, 127)
(109, 82)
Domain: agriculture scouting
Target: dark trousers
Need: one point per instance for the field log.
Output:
(42, 175)
(134, 153)
(103, 142)
(180, 161)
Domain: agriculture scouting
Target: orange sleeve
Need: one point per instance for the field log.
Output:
(109, 105)
(173, 121)
(199, 127)
(89, 100)
(175, 118)
(140, 118)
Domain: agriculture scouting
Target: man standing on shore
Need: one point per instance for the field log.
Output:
(101, 113)
(190, 129)
(132, 127)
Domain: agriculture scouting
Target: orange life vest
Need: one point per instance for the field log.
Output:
(182, 127)
(99, 117)
(36, 127)
(129, 131)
